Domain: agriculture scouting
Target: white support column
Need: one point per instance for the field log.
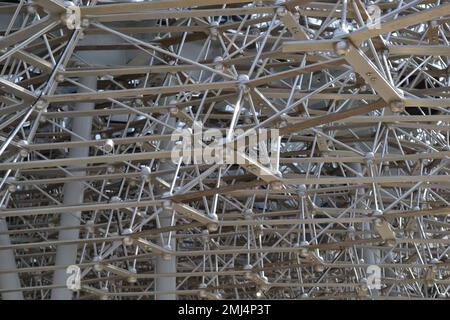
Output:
(8, 281)
(166, 266)
(370, 256)
(162, 265)
(73, 195)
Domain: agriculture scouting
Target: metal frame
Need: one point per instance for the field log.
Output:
(363, 177)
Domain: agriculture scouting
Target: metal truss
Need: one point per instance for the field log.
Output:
(91, 92)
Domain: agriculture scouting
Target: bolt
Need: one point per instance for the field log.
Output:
(304, 250)
(342, 47)
(108, 145)
(59, 78)
(218, 61)
(40, 105)
(281, 12)
(145, 173)
(397, 106)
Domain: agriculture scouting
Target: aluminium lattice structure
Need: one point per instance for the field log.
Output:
(91, 93)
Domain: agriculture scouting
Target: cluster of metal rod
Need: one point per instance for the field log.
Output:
(91, 92)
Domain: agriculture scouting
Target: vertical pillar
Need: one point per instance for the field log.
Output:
(370, 256)
(73, 194)
(166, 266)
(8, 281)
(161, 265)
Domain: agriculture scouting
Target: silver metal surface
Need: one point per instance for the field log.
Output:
(92, 93)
